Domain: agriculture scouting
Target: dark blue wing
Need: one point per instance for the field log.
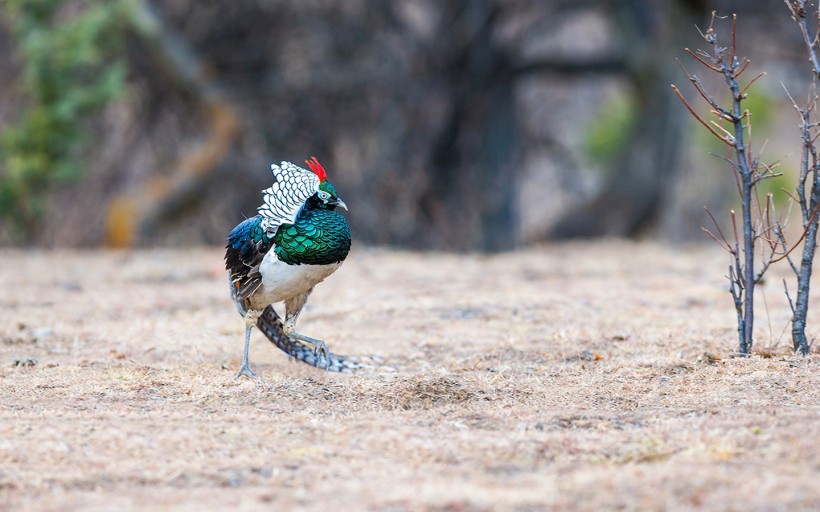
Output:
(246, 248)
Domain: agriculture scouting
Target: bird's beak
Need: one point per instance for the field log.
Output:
(339, 202)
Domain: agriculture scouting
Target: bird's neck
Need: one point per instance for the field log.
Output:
(320, 236)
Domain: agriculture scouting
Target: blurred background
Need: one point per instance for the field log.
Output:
(467, 125)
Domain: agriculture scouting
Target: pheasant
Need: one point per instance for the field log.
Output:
(296, 240)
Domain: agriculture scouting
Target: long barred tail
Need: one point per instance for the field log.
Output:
(271, 325)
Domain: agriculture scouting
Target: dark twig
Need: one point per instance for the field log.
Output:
(753, 80)
(742, 68)
(788, 297)
(699, 59)
(720, 232)
(803, 235)
(786, 255)
(697, 116)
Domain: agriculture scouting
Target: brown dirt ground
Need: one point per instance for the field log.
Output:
(582, 376)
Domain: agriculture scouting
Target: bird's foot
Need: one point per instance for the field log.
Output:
(246, 371)
(321, 350)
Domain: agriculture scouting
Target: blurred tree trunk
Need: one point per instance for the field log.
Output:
(469, 199)
(135, 215)
(632, 195)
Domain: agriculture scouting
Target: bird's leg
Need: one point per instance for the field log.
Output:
(250, 319)
(319, 347)
(293, 307)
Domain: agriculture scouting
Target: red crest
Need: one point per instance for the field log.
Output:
(317, 168)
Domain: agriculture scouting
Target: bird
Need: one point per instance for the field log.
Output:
(295, 241)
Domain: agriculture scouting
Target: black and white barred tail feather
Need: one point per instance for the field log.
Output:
(271, 326)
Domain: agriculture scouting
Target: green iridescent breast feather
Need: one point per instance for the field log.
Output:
(318, 237)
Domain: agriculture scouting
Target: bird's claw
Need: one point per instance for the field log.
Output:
(321, 350)
(246, 371)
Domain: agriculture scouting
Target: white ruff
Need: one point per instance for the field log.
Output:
(281, 281)
(285, 198)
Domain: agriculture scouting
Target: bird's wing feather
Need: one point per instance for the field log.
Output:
(247, 245)
(285, 198)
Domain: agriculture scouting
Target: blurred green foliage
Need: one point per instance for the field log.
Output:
(611, 130)
(72, 65)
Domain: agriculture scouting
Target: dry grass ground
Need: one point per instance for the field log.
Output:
(590, 376)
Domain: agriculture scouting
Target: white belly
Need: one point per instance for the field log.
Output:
(281, 281)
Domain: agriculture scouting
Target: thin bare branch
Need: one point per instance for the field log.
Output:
(767, 176)
(734, 227)
(717, 226)
(788, 297)
(727, 135)
(697, 116)
(743, 65)
(713, 237)
(791, 196)
(702, 61)
(698, 85)
(794, 103)
(725, 117)
(802, 236)
(734, 42)
(788, 258)
(743, 91)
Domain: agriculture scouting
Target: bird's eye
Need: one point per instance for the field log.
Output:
(324, 196)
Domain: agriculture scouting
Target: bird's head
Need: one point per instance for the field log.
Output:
(327, 197)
